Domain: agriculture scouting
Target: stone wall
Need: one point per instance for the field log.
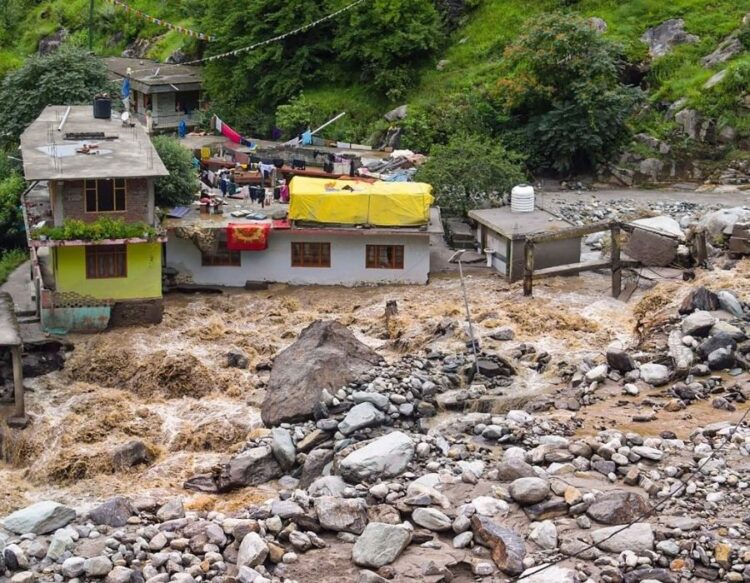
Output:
(138, 203)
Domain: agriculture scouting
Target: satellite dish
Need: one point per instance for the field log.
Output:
(125, 117)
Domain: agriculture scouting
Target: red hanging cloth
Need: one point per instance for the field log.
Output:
(247, 237)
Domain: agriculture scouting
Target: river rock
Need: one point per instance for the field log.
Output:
(171, 510)
(514, 468)
(341, 514)
(720, 359)
(359, 417)
(131, 454)
(654, 374)
(698, 323)
(380, 400)
(282, 447)
(638, 538)
(544, 534)
(380, 544)
(73, 567)
(314, 465)
(114, 512)
(119, 575)
(431, 519)
(681, 355)
(699, 298)
(617, 507)
(507, 547)
(325, 356)
(97, 566)
(715, 342)
(729, 302)
(546, 574)
(253, 550)
(527, 491)
(40, 518)
(619, 359)
(386, 456)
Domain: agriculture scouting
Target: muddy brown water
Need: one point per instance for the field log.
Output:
(76, 422)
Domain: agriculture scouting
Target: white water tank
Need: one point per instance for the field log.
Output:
(522, 199)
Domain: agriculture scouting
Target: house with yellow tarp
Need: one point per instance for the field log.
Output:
(332, 232)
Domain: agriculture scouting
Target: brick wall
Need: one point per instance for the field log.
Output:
(136, 202)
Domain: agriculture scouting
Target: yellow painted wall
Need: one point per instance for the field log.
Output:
(143, 280)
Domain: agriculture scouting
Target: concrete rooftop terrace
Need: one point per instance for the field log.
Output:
(122, 151)
(143, 72)
(518, 225)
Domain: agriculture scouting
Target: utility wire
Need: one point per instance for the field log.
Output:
(647, 513)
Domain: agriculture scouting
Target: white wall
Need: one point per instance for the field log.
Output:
(275, 263)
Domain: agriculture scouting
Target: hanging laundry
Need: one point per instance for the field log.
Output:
(231, 134)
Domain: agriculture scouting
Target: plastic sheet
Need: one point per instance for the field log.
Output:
(348, 202)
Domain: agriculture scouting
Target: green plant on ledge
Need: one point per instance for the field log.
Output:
(103, 228)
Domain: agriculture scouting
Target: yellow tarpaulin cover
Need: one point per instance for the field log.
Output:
(349, 202)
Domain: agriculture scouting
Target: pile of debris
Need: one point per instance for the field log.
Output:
(584, 212)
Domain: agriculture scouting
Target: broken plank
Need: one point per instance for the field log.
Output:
(572, 268)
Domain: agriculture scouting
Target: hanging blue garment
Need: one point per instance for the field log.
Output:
(125, 88)
(307, 138)
(182, 129)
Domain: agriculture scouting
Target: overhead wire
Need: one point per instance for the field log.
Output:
(271, 40)
(645, 514)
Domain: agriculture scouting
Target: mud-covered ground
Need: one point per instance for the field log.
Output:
(170, 385)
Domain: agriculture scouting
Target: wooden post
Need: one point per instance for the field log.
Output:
(616, 265)
(19, 415)
(701, 249)
(528, 268)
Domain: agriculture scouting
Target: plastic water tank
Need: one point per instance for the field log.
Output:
(522, 199)
(102, 107)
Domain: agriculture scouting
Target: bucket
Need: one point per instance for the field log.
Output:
(522, 199)
(102, 107)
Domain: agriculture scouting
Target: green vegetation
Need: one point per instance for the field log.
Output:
(9, 261)
(69, 76)
(470, 171)
(12, 231)
(99, 230)
(182, 183)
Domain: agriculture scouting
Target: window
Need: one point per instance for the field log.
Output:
(222, 256)
(384, 256)
(106, 261)
(105, 195)
(311, 254)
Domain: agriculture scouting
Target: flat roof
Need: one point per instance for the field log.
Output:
(122, 152)
(10, 334)
(195, 220)
(518, 225)
(143, 71)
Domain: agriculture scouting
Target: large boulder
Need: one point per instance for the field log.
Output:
(720, 223)
(325, 356)
(253, 467)
(253, 550)
(527, 491)
(638, 538)
(283, 447)
(359, 417)
(380, 544)
(507, 546)
(40, 518)
(654, 374)
(654, 241)
(617, 507)
(729, 48)
(699, 323)
(699, 298)
(670, 33)
(114, 512)
(384, 457)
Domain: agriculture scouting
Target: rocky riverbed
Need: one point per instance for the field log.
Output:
(213, 448)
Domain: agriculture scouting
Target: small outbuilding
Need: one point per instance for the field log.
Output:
(502, 233)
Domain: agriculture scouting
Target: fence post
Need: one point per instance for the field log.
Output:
(528, 267)
(616, 265)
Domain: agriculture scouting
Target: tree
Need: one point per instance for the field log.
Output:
(385, 39)
(562, 95)
(182, 183)
(12, 231)
(69, 76)
(470, 171)
(295, 116)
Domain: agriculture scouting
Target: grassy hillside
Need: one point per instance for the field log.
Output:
(470, 60)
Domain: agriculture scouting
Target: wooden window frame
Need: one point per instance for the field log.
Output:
(222, 257)
(119, 185)
(372, 254)
(118, 254)
(322, 254)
